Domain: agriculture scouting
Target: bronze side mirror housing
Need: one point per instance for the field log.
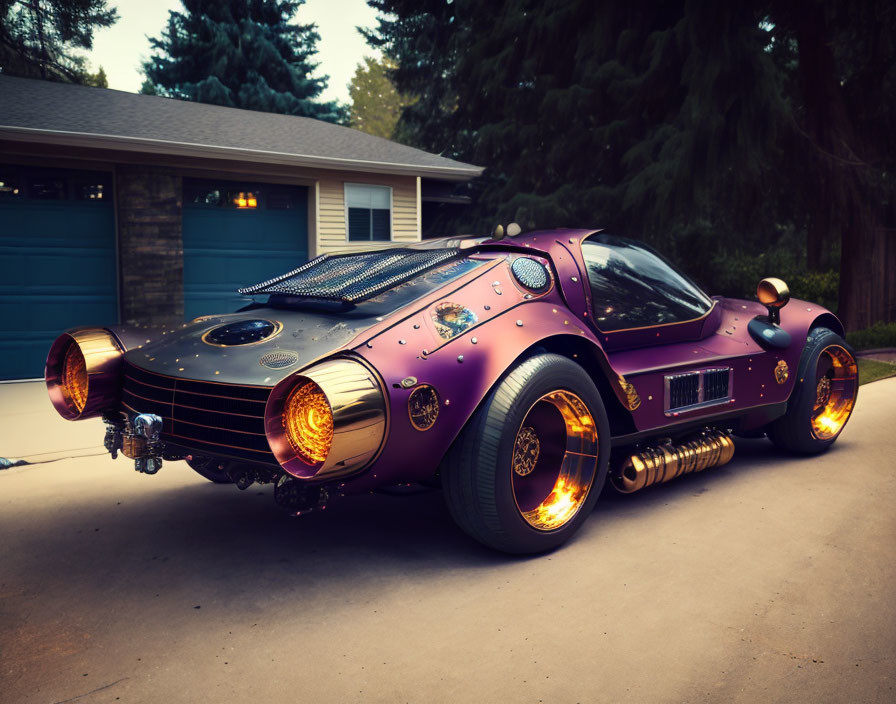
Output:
(774, 295)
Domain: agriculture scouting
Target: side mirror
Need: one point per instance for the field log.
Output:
(774, 295)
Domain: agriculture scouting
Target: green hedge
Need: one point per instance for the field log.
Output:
(877, 336)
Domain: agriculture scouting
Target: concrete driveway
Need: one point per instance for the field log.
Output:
(770, 579)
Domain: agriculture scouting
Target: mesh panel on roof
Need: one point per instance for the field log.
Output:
(352, 278)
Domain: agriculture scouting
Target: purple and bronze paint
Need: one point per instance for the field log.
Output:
(411, 378)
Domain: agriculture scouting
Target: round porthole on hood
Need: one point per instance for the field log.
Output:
(242, 332)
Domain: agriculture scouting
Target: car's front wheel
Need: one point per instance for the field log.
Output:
(526, 470)
(823, 398)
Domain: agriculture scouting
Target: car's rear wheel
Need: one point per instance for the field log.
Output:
(526, 470)
(208, 467)
(824, 396)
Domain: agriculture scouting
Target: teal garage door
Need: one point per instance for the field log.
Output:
(236, 234)
(57, 261)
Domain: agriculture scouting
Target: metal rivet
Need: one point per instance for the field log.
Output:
(402, 342)
(425, 351)
(447, 401)
(487, 307)
(528, 296)
(498, 291)
(460, 358)
(370, 345)
(496, 283)
(571, 242)
(474, 340)
(408, 382)
(650, 398)
(519, 323)
(553, 310)
(574, 278)
(416, 326)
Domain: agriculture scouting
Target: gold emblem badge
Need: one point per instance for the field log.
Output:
(782, 371)
(423, 407)
(631, 394)
(525, 451)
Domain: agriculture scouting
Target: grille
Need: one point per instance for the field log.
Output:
(699, 389)
(351, 278)
(220, 419)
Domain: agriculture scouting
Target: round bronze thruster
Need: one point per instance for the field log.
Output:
(782, 371)
(423, 407)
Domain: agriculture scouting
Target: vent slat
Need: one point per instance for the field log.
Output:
(204, 416)
(684, 390)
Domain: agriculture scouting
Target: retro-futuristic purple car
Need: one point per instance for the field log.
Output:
(515, 372)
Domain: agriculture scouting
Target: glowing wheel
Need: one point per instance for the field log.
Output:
(554, 460)
(527, 469)
(823, 398)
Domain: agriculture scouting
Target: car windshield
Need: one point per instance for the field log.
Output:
(632, 286)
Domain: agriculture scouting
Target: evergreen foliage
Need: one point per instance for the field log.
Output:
(715, 131)
(41, 38)
(376, 105)
(241, 53)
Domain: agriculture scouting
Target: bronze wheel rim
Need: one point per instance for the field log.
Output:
(836, 387)
(554, 460)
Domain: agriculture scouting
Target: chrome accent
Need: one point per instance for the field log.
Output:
(659, 463)
(701, 400)
(102, 357)
(358, 401)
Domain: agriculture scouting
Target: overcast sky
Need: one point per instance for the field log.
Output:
(121, 48)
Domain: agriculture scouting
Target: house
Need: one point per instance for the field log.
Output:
(118, 207)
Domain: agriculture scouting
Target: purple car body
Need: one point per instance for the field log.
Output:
(458, 338)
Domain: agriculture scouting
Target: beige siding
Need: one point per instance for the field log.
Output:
(405, 218)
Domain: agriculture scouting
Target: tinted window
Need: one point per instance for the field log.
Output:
(369, 211)
(633, 287)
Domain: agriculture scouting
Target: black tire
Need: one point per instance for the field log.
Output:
(797, 430)
(208, 468)
(477, 475)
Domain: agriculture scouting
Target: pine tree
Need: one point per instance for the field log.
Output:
(424, 39)
(241, 53)
(97, 80)
(41, 38)
(376, 104)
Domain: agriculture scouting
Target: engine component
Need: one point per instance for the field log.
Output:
(141, 441)
(82, 373)
(116, 423)
(327, 422)
(298, 496)
(660, 463)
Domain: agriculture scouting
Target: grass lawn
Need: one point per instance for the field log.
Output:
(872, 370)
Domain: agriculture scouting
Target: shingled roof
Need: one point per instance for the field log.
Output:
(59, 113)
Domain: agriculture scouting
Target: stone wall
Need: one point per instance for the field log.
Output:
(150, 244)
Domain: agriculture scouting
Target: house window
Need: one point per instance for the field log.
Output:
(368, 213)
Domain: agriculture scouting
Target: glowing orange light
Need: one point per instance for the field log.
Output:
(308, 421)
(74, 376)
(558, 507)
(245, 200)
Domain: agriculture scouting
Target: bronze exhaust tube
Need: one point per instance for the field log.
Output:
(660, 463)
